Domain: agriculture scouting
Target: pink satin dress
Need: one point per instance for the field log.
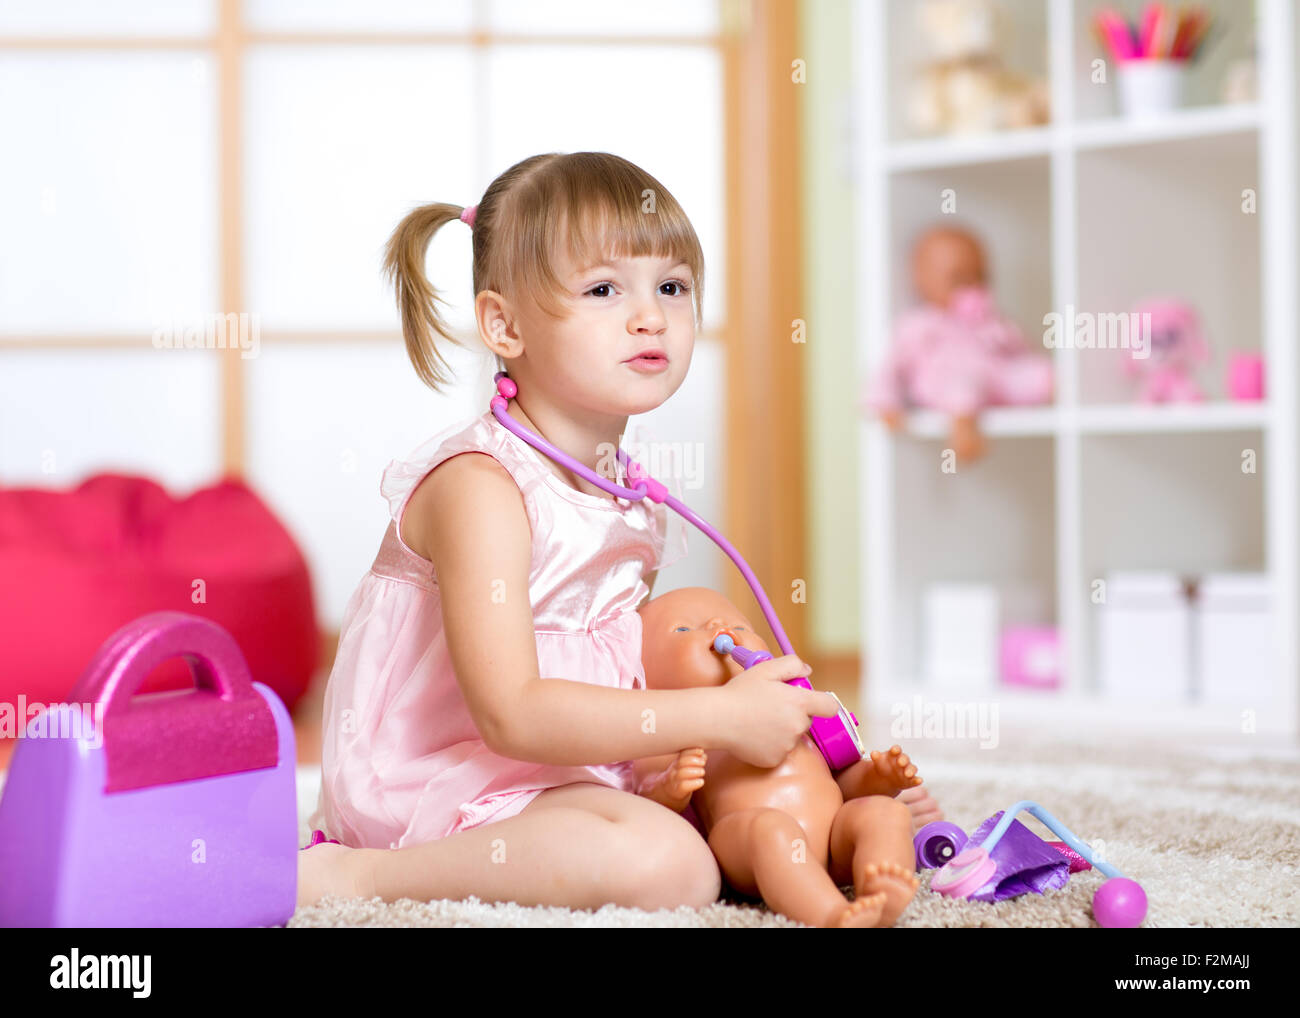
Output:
(402, 762)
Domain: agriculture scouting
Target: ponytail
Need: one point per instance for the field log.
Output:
(404, 258)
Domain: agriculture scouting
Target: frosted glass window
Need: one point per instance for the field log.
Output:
(323, 422)
(357, 15)
(107, 17)
(342, 142)
(593, 17)
(66, 414)
(109, 212)
(659, 107)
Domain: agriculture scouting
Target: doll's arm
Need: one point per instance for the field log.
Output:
(670, 779)
(1006, 337)
(886, 392)
(879, 774)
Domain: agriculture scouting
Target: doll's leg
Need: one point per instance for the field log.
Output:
(578, 846)
(1021, 381)
(766, 852)
(871, 847)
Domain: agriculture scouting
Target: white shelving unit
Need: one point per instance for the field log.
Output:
(1093, 211)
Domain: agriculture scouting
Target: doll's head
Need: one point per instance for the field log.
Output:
(946, 260)
(581, 261)
(677, 631)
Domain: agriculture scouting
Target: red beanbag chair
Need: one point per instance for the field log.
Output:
(77, 565)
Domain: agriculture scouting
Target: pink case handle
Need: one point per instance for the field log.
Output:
(222, 727)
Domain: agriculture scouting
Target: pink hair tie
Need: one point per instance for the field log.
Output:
(467, 215)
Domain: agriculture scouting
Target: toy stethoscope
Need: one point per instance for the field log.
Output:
(1119, 902)
(836, 737)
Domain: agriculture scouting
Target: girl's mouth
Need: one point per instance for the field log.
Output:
(652, 363)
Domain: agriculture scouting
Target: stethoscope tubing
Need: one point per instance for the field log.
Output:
(502, 414)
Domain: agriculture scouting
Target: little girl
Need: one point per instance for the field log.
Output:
(488, 696)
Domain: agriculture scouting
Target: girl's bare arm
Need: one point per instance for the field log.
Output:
(472, 525)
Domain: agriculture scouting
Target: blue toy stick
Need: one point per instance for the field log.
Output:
(1056, 827)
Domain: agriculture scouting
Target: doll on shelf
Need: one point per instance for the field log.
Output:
(791, 834)
(1173, 349)
(955, 352)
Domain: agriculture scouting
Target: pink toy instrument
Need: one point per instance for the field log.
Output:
(836, 737)
(173, 809)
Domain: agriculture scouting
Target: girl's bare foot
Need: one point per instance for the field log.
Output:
(863, 912)
(896, 882)
(921, 805)
(330, 869)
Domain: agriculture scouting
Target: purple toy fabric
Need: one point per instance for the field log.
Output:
(1025, 862)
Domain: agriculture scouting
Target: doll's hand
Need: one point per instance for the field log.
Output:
(893, 771)
(683, 777)
(893, 419)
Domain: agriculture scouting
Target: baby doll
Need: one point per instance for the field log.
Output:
(955, 352)
(1176, 346)
(791, 834)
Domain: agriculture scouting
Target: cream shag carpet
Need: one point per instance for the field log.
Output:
(1211, 829)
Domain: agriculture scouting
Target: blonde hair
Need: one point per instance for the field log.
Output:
(598, 204)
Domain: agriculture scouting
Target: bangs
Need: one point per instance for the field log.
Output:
(599, 207)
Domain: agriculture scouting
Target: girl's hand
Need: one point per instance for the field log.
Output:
(764, 718)
(682, 779)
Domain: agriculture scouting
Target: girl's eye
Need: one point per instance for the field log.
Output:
(682, 629)
(598, 286)
(682, 287)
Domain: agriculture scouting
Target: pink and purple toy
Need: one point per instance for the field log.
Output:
(989, 867)
(170, 809)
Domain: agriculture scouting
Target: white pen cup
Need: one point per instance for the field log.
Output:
(1152, 87)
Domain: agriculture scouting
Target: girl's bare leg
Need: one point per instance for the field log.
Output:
(871, 847)
(767, 852)
(581, 846)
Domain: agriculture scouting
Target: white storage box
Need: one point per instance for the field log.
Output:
(960, 634)
(1236, 643)
(1144, 639)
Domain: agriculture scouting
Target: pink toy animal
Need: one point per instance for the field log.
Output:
(1176, 347)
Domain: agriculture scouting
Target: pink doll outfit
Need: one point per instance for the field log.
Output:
(959, 360)
(402, 761)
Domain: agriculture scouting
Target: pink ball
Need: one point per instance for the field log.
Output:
(1119, 903)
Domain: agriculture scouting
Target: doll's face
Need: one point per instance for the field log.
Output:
(677, 631)
(946, 260)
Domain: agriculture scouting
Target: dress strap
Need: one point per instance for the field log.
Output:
(398, 562)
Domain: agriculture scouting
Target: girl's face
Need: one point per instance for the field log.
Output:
(617, 311)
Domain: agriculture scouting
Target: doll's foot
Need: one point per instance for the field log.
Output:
(897, 883)
(863, 912)
(330, 869)
(967, 441)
